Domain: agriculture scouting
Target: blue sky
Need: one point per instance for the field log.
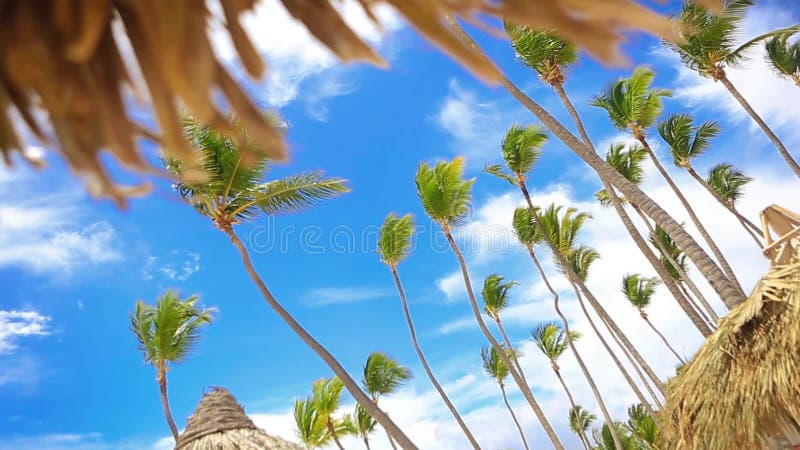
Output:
(72, 267)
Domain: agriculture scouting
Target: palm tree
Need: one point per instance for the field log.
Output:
(311, 429)
(643, 427)
(632, 105)
(363, 424)
(494, 367)
(687, 142)
(603, 437)
(706, 44)
(167, 334)
(383, 375)
(639, 291)
(728, 184)
(394, 245)
(327, 394)
(446, 196)
(495, 300)
(606, 173)
(579, 422)
(233, 192)
(784, 57)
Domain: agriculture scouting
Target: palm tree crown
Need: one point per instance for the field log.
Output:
(543, 51)
(551, 339)
(580, 420)
(394, 241)
(685, 140)
(728, 182)
(562, 229)
(630, 103)
(493, 365)
(525, 228)
(639, 290)
(521, 149)
(580, 260)
(168, 331)
(662, 240)
(383, 374)
(364, 424)
(327, 394)
(444, 194)
(627, 160)
(495, 294)
(311, 429)
(784, 57)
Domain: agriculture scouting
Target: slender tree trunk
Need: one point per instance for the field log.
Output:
(700, 309)
(412, 331)
(707, 267)
(332, 431)
(513, 416)
(391, 441)
(696, 220)
(571, 400)
(508, 344)
(330, 360)
(663, 338)
(162, 387)
(742, 220)
(366, 442)
(526, 391)
(628, 223)
(763, 125)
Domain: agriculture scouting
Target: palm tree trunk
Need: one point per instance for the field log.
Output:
(663, 338)
(366, 442)
(571, 400)
(391, 441)
(763, 125)
(332, 431)
(162, 387)
(524, 388)
(628, 223)
(749, 226)
(707, 267)
(696, 220)
(424, 362)
(711, 323)
(330, 360)
(513, 416)
(508, 344)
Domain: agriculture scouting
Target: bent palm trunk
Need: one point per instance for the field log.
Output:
(424, 362)
(326, 356)
(162, 387)
(663, 338)
(332, 431)
(513, 416)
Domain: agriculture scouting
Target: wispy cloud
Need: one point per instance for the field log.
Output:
(18, 324)
(341, 295)
(174, 267)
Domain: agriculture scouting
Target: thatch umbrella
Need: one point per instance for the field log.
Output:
(65, 58)
(219, 423)
(742, 388)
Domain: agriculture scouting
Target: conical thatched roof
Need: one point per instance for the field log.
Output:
(219, 423)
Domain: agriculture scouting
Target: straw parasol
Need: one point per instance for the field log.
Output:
(66, 66)
(219, 423)
(742, 388)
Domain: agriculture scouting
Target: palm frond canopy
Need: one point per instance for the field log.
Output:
(551, 339)
(543, 51)
(522, 147)
(580, 260)
(631, 103)
(627, 160)
(311, 428)
(727, 181)
(327, 393)
(784, 57)
(660, 239)
(639, 290)
(394, 240)
(741, 387)
(525, 228)
(493, 364)
(685, 140)
(562, 229)
(365, 423)
(81, 79)
(384, 374)
(444, 194)
(495, 294)
(220, 422)
(643, 426)
(579, 419)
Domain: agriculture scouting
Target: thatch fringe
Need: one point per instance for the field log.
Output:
(742, 389)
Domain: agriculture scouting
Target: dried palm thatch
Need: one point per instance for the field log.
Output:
(219, 423)
(62, 64)
(742, 389)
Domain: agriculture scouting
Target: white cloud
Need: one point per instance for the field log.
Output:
(452, 286)
(17, 324)
(351, 294)
(174, 267)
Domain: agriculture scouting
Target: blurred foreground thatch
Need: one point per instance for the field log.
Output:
(67, 66)
(219, 423)
(742, 388)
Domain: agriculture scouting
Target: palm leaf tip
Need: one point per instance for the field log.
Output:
(297, 193)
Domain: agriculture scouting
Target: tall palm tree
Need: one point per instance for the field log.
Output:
(687, 142)
(446, 197)
(707, 45)
(232, 193)
(631, 104)
(579, 422)
(728, 184)
(364, 424)
(495, 300)
(394, 245)
(167, 334)
(383, 375)
(707, 267)
(311, 428)
(494, 367)
(784, 57)
(639, 291)
(327, 394)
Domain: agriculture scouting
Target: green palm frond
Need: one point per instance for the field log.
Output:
(522, 147)
(309, 425)
(642, 425)
(738, 56)
(364, 423)
(580, 260)
(605, 440)
(639, 290)
(497, 170)
(525, 228)
(296, 193)
(727, 181)
(685, 140)
(630, 102)
(784, 57)
(345, 426)
(671, 249)
(493, 364)
(562, 229)
(542, 51)
(444, 194)
(383, 374)
(394, 239)
(627, 160)
(551, 339)
(326, 394)
(580, 419)
(495, 294)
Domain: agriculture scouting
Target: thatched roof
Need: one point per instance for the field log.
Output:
(65, 59)
(219, 423)
(743, 386)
